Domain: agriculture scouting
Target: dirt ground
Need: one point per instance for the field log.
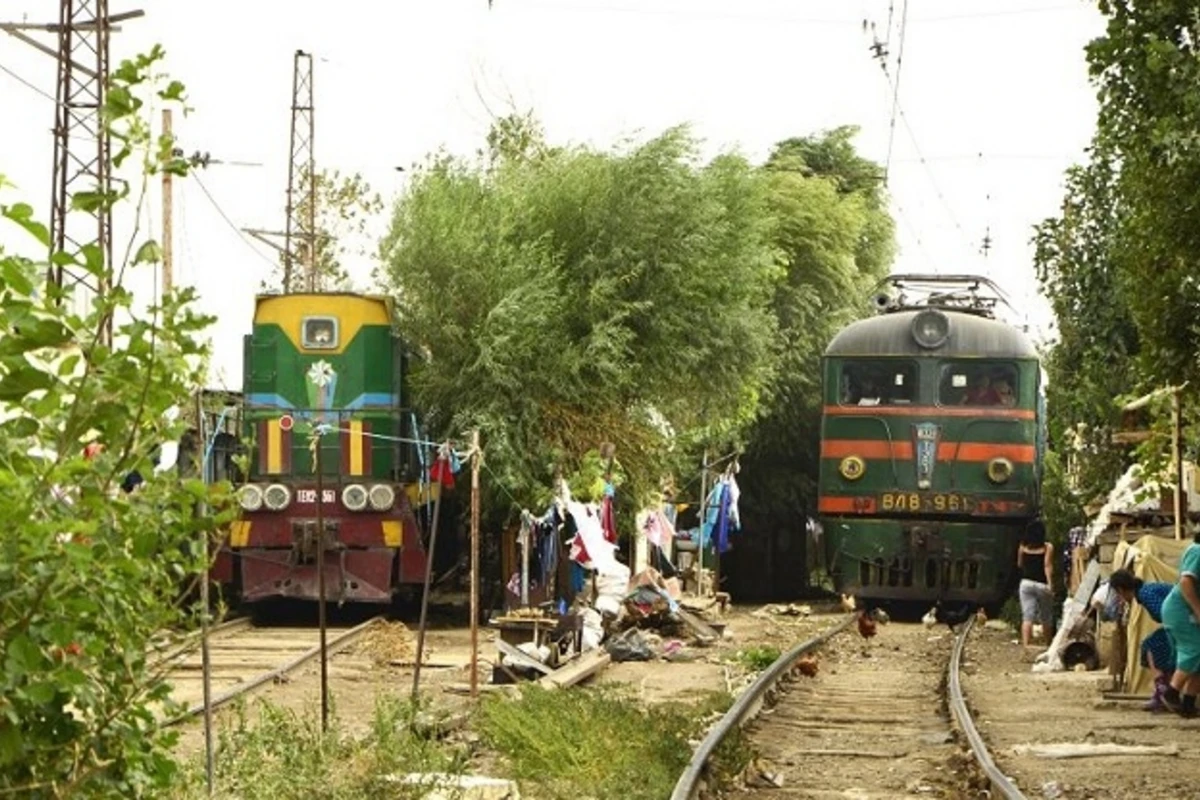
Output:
(382, 663)
(868, 724)
(1013, 706)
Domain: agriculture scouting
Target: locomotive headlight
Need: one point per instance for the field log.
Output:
(277, 497)
(852, 468)
(382, 496)
(354, 497)
(930, 329)
(999, 470)
(250, 497)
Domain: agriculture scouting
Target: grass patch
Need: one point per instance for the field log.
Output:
(598, 743)
(277, 754)
(758, 658)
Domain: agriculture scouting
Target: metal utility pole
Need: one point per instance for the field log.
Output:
(82, 156)
(301, 217)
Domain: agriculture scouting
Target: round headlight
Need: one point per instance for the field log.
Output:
(277, 496)
(354, 497)
(999, 470)
(382, 496)
(250, 497)
(852, 468)
(930, 329)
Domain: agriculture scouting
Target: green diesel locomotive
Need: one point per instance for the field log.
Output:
(932, 439)
(330, 364)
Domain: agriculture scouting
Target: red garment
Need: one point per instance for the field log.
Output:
(440, 472)
(607, 522)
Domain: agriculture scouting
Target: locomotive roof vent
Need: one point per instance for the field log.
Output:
(931, 329)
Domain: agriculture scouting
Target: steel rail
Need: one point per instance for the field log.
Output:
(334, 645)
(958, 707)
(746, 707)
(187, 643)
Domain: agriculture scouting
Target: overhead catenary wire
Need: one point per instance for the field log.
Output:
(28, 84)
(241, 236)
(894, 84)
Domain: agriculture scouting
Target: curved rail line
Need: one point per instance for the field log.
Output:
(337, 642)
(751, 701)
(958, 707)
(745, 708)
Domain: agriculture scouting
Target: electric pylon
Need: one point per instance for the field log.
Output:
(301, 213)
(82, 161)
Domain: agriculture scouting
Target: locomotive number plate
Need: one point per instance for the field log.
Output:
(310, 496)
(925, 502)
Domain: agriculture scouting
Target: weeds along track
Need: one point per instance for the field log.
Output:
(243, 657)
(843, 716)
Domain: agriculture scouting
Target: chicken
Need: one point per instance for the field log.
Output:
(807, 665)
(848, 603)
(881, 616)
(930, 619)
(981, 616)
(952, 616)
(866, 625)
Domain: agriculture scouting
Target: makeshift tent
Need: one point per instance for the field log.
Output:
(1153, 559)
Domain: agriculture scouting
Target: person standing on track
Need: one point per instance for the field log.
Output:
(1180, 613)
(1035, 563)
(1157, 653)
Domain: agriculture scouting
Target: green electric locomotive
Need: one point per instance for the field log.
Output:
(932, 439)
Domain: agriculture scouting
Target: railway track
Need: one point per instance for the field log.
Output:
(876, 721)
(243, 657)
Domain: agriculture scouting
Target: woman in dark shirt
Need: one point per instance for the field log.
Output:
(1035, 562)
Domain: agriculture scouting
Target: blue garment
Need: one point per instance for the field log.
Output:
(1151, 597)
(1177, 616)
(720, 517)
(1158, 644)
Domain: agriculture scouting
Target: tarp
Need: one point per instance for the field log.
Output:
(1153, 559)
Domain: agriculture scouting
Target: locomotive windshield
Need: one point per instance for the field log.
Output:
(973, 383)
(877, 382)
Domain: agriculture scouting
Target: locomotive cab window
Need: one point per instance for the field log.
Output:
(878, 382)
(319, 333)
(976, 384)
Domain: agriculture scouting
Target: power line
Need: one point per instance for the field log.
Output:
(895, 85)
(29, 85)
(229, 222)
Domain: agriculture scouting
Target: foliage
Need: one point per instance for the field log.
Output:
(1149, 86)
(1096, 353)
(598, 738)
(89, 576)
(758, 658)
(831, 222)
(280, 755)
(345, 206)
(1120, 262)
(568, 296)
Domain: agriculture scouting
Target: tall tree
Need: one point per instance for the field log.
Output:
(1120, 262)
(830, 221)
(1097, 347)
(568, 296)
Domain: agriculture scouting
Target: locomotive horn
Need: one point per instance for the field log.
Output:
(883, 301)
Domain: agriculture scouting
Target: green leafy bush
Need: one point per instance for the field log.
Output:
(89, 575)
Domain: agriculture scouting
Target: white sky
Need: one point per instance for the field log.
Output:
(995, 95)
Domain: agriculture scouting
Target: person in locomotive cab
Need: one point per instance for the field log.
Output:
(1035, 564)
(981, 393)
(869, 394)
(1004, 393)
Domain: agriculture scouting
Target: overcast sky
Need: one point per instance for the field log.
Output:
(994, 99)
